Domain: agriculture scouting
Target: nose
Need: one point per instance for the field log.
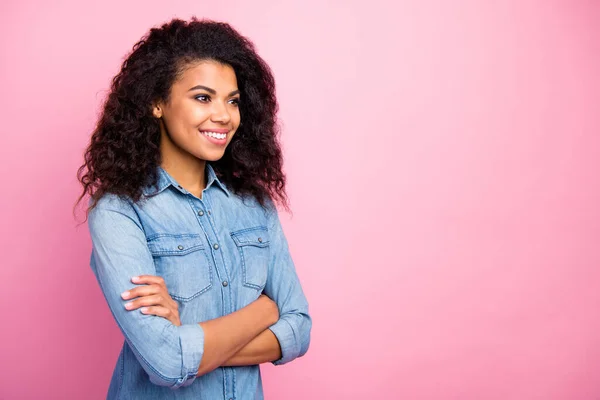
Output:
(220, 113)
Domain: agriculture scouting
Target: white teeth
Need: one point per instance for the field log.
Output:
(215, 135)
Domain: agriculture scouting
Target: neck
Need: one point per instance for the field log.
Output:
(186, 169)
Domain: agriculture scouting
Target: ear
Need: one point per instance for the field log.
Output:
(156, 111)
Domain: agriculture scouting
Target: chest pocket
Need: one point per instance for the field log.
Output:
(183, 263)
(253, 246)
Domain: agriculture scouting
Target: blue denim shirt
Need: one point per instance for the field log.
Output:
(216, 254)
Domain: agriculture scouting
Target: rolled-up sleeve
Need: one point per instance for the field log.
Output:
(283, 286)
(169, 354)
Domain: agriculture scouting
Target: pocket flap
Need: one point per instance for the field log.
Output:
(258, 236)
(174, 245)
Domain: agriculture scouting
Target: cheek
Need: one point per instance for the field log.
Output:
(235, 116)
(194, 115)
(188, 114)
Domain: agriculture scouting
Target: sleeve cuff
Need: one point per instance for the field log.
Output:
(287, 341)
(191, 339)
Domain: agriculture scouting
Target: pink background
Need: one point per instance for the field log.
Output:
(443, 165)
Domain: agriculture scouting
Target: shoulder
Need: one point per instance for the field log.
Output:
(247, 209)
(110, 206)
(110, 201)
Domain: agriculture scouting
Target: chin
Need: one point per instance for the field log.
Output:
(211, 157)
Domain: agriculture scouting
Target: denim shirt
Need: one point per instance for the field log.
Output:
(216, 254)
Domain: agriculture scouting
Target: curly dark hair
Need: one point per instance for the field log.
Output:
(123, 153)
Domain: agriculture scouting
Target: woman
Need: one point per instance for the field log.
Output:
(183, 171)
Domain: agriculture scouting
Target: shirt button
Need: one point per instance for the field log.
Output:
(225, 283)
(216, 246)
(200, 213)
(259, 240)
(180, 247)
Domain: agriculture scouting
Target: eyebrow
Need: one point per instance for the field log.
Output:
(212, 91)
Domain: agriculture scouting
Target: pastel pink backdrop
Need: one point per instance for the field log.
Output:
(443, 166)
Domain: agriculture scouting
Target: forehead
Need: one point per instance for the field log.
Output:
(220, 77)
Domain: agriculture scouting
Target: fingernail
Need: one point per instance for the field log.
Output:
(135, 278)
(125, 294)
(144, 309)
(128, 305)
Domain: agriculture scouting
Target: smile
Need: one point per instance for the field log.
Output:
(215, 135)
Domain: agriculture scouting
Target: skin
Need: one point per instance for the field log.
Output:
(184, 152)
(183, 149)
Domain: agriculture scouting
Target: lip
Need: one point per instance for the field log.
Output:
(215, 130)
(215, 141)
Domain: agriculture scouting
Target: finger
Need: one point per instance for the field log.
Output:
(148, 279)
(162, 312)
(140, 291)
(152, 300)
(156, 310)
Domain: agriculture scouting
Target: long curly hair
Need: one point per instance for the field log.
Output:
(123, 154)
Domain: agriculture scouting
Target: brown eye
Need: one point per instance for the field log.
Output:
(202, 97)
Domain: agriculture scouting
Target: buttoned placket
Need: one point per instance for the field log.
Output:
(206, 220)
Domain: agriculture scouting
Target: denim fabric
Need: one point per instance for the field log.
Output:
(217, 255)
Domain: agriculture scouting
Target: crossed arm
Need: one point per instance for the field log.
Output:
(263, 348)
(221, 334)
(225, 344)
(266, 330)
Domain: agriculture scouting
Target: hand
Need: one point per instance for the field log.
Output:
(273, 309)
(153, 297)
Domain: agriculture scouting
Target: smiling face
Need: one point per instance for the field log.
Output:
(202, 113)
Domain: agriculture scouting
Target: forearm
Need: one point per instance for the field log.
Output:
(263, 348)
(227, 335)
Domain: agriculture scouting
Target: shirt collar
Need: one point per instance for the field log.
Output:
(165, 180)
(213, 179)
